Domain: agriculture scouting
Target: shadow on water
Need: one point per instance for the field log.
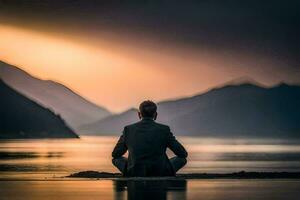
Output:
(17, 161)
(6, 155)
(18, 155)
(149, 189)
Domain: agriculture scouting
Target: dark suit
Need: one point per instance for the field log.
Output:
(146, 142)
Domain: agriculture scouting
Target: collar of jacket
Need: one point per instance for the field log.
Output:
(147, 119)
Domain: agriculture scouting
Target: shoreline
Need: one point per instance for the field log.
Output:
(190, 176)
(107, 176)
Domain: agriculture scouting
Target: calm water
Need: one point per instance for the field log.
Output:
(151, 190)
(41, 159)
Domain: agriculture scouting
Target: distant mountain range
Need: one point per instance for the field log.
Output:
(233, 110)
(73, 108)
(239, 110)
(21, 117)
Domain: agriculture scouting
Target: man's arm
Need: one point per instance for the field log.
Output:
(120, 148)
(175, 146)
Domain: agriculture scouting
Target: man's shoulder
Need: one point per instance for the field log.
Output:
(132, 125)
(162, 126)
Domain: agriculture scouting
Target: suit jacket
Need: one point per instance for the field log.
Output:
(146, 142)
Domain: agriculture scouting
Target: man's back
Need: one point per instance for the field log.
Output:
(146, 142)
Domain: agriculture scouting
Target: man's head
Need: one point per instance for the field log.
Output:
(148, 109)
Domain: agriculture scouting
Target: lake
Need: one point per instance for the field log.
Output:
(44, 159)
(151, 190)
(33, 170)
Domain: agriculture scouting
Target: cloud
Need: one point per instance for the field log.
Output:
(154, 49)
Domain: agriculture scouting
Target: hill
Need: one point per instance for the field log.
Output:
(238, 110)
(73, 108)
(21, 117)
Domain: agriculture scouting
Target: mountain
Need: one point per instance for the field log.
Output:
(21, 117)
(63, 101)
(111, 125)
(242, 110)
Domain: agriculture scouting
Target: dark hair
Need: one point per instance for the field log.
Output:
(148, 108)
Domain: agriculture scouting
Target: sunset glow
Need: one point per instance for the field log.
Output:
(118, 73)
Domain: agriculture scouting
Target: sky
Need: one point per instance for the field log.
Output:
(119, 53)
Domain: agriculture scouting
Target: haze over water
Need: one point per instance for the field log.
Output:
(40, 159)
(26, 165)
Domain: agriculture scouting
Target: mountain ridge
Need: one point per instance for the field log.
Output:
(245, 104)
(21, 118)
(75, 109)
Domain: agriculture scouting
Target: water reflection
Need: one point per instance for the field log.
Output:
(150, 189)
(47, 158)
(30, 168)
(7, 155)
(192, 190)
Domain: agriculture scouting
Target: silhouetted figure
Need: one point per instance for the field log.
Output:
(146, 142)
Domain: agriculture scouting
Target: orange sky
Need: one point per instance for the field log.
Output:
(118, 73)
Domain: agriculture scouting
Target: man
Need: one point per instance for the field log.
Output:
(146, 142)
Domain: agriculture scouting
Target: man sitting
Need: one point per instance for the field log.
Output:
(147, 142)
